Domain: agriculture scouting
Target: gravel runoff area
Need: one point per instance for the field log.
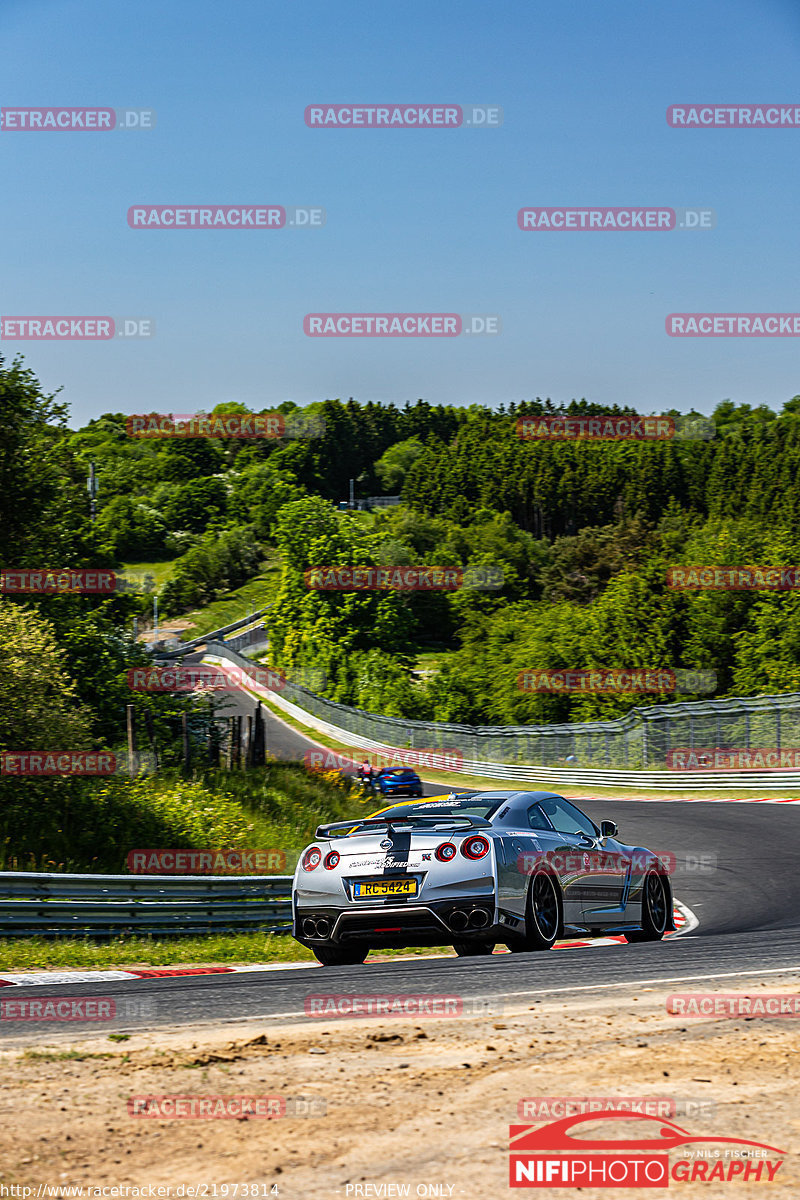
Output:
(423, 1104)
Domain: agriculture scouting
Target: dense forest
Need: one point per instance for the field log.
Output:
(583, 532)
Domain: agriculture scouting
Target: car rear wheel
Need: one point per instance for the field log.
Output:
(654, 910)
(471, 949)
(340, 956)
(542, 916)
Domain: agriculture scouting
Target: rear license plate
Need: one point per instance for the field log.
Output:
(384, 887)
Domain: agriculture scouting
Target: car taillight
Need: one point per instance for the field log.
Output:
(332, 860)
(312, 858)
(474, 847)
(445, 852)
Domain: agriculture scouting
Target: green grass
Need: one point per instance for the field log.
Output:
(161, 571)
(62, 1055)
(26, 954)
(256, 593)
(432, 660)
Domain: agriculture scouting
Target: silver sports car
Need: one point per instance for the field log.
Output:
(473, 870)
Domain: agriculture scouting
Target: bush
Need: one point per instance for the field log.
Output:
(220, 563)
(91, 824)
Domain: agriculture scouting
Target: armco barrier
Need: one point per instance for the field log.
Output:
(213, 635)
(496, 752)
(52, 905)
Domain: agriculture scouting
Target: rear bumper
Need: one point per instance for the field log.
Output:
(427, 924)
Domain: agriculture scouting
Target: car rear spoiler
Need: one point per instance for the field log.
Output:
(457, 823)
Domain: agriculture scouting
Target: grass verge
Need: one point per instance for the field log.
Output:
(236, 949)
(256, 593)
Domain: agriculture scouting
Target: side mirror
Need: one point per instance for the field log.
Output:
(608, 829)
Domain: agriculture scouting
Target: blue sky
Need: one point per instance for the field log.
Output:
(417, 221)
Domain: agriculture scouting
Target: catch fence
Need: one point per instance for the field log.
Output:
(648, 737)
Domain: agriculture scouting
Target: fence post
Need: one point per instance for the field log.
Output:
(248, 751)
(238, 740)
(129, 717)
(151, 737)
(259, 756)
(213, 743)
(187, 750)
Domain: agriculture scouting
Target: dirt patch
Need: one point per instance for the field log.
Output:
(174, 627)
(423, 1104)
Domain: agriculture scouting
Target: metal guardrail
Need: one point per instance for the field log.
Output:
(53, 905)
(213, 635)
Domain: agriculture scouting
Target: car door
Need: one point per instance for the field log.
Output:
(598, 871)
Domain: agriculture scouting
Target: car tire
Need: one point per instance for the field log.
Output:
(472, 949)
(542, 915)
(654, 910)
(340, 956)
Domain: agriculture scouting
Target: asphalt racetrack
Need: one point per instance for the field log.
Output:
(736, 870)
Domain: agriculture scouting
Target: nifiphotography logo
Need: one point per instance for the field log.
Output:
(654, 1153)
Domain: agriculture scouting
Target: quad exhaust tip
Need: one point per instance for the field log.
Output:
(319, 927)
(460, 919)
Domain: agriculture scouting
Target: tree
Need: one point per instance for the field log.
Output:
(39, 510)
(196, 505)
(39, 707)
(393, 465)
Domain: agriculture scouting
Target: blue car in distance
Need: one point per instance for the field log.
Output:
(398, 781)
